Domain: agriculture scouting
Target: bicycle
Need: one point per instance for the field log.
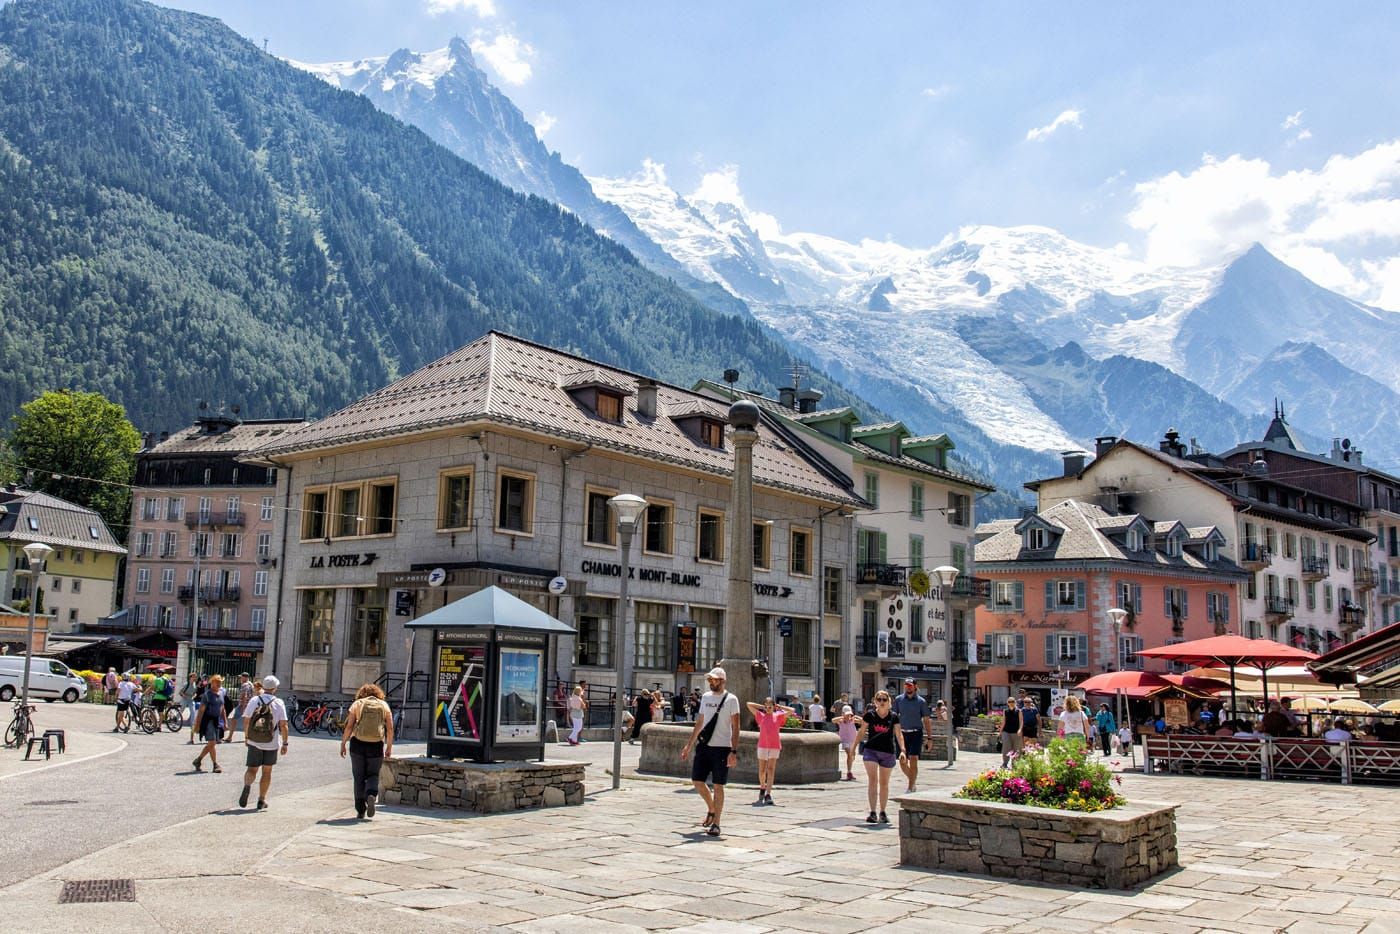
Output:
(334, 722)
(21, 727)
(125, 718)
(308, 718)
(150, 719)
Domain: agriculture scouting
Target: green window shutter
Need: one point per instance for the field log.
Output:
(1225, 606)
(884, 548)
(1050, 596)
(1021, 600)
(1081, 650)
(1080, 595)
(1021, 649)
(862, 548)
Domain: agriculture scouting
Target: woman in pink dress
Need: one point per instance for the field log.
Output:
(770, 718)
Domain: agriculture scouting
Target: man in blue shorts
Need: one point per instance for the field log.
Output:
(915, 723)
(714, 739)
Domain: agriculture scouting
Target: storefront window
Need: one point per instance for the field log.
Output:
(709, 624)
(797, 649)
(367, 623)
(593, 646)
(653, 635)
(317, 621)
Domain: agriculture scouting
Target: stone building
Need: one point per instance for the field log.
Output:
(494, 465)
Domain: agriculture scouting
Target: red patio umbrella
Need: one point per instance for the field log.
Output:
(1128, 683)
(160, 666)
(1232, 651)
(1198, 684)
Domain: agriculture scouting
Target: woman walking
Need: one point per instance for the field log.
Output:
(577, 705)
(884, 748)
(641, 717)
(369, 734)
(1107, 727)
(1074, 721)
(770, 718)
(188, 693)
(209, 723)
(846, 726)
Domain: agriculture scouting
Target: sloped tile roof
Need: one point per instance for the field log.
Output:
(505, 380)
(593, 376)
(237, 439)
(39, 517)
(1083, 539)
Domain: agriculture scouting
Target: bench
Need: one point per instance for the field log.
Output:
(1273, 758)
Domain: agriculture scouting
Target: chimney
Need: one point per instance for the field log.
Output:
(1103, 443)
(787, 397)
(165, 436)
(1074, 461)
(1171, 444)
(1356, 456)
(1337, 454)
(807, 400)
(646, 398)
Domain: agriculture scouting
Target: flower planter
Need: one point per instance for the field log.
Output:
(1115, 849)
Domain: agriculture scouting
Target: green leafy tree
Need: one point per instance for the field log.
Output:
(81, 447)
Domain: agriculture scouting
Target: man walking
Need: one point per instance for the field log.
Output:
(715, 740)
(245, 694)
(109, 686)
(1010, 732)
(915, 724)
(266, 718)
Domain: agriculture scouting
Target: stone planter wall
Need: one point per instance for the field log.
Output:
(486, 788)
(809, 756)
(980, 735)
(1115, 849)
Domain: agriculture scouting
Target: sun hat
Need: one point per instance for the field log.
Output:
(717, 673)
(270, 683)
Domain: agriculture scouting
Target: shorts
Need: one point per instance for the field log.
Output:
(257, 757)
(711, 764)
(123, 705)
(765, 754)
(210, 730)
(885, 760)
(913, 744)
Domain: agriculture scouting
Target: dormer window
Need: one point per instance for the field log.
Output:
(1037, 539)
(1208, 551)
(609, 406)
(1134, 540)
(1174, 546)
(711, 433)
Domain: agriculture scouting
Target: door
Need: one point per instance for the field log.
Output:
(831, 660)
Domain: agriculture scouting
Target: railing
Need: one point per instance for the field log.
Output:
(1255, 553)
(211, 594)
(972, 652)
(1351, 617)
(976, 589)
(1314, 566)
(212, 519)
(868, 645)
(208, 631)
(1270, 758)
(882, 575)
(1364, 576)
(1278, 606)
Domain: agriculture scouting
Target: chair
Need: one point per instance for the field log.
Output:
(44, 747)
(60, 736)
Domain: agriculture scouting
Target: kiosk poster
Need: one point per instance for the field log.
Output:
(460, 698)
(685, 648)
(1174, 712)
(518, 711)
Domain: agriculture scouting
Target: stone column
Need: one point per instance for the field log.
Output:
(739, 621)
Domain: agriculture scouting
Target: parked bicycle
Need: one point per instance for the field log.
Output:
(334, 722)
(21, 726)
(311, 717)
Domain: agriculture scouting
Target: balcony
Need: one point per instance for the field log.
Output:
(1352, 618)
(212, 520)
(1314, 568)
(867, 645)
(1364, 577)
(1255, 557)
(213, 632)
(1279, 607)
(972, 652)
(1388, 589)
(970, 590)
(880, 575)
(1178, 625)
(209, 595)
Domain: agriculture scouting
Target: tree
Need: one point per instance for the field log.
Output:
(80, 447)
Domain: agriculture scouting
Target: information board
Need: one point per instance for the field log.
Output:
(521, 687)
(685, 648)
(460, 701)
(1174, 711)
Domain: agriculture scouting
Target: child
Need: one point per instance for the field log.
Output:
(846, 727)
(770, 719)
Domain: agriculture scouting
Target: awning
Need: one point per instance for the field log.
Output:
(1340, 665)
(490, 607)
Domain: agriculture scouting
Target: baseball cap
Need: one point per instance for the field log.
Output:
(909, 681)
(270, 683)
(717, 673)
(846, 709)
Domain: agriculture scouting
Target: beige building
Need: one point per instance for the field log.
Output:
(494, 466)
(78, 582)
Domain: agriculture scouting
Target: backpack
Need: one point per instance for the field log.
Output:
(261, 727)
(369, 727)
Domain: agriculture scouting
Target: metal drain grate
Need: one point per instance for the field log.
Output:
(98, 890)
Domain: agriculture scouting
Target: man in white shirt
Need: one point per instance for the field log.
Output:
(126, 690)
(715, 740)
(264, 719)
(1339, 732)
(816, 713)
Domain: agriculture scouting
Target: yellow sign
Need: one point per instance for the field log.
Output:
(1174, 711)
(919, 583)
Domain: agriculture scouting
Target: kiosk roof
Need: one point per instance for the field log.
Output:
(487, 608)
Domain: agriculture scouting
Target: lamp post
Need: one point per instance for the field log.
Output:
(38, 554)
(1116, 615)
(629, 508)
(946, 575)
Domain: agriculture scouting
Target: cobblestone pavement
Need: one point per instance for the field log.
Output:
(1255, 857)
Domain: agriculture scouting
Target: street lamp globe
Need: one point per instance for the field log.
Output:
(37, 553)
(946, 574)
(628, 507)
(1117, 614)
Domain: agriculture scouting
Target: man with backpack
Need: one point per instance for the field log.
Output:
(162, 694)
(266, 722)
(715, 740)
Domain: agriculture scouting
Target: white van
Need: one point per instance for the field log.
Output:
(48, 679)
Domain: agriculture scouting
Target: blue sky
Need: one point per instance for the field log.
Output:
(1183, 131)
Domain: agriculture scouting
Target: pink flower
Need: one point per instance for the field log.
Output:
(1085, 785)
(1118, 779)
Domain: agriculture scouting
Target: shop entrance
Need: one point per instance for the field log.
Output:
(831, 664)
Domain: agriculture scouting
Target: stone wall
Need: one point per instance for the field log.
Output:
(486, 788)
(809, 756)
(1115, 849)
(980, 735)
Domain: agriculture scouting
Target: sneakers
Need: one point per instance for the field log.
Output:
(768, 797)
(871, 818)
(198, 767)
(883, 818)
(370, 802)
(760, 796)
(262, 805)
(243, 798)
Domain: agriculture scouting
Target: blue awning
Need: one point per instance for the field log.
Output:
(492, 607)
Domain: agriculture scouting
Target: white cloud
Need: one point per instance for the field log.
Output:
(938, 90)
(507, 56)
(1338, 224)
(483, 8)
(1066, 118)
(1292, 120)
(721, 186)
(544, 122)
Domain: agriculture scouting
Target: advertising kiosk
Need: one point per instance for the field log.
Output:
(490, 654)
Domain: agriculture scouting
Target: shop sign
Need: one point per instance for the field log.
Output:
(1026, 622)
(357, 560)
(404, 580)
(1175, 712)
(1045, 677)
(651, 575)
(772, 590)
